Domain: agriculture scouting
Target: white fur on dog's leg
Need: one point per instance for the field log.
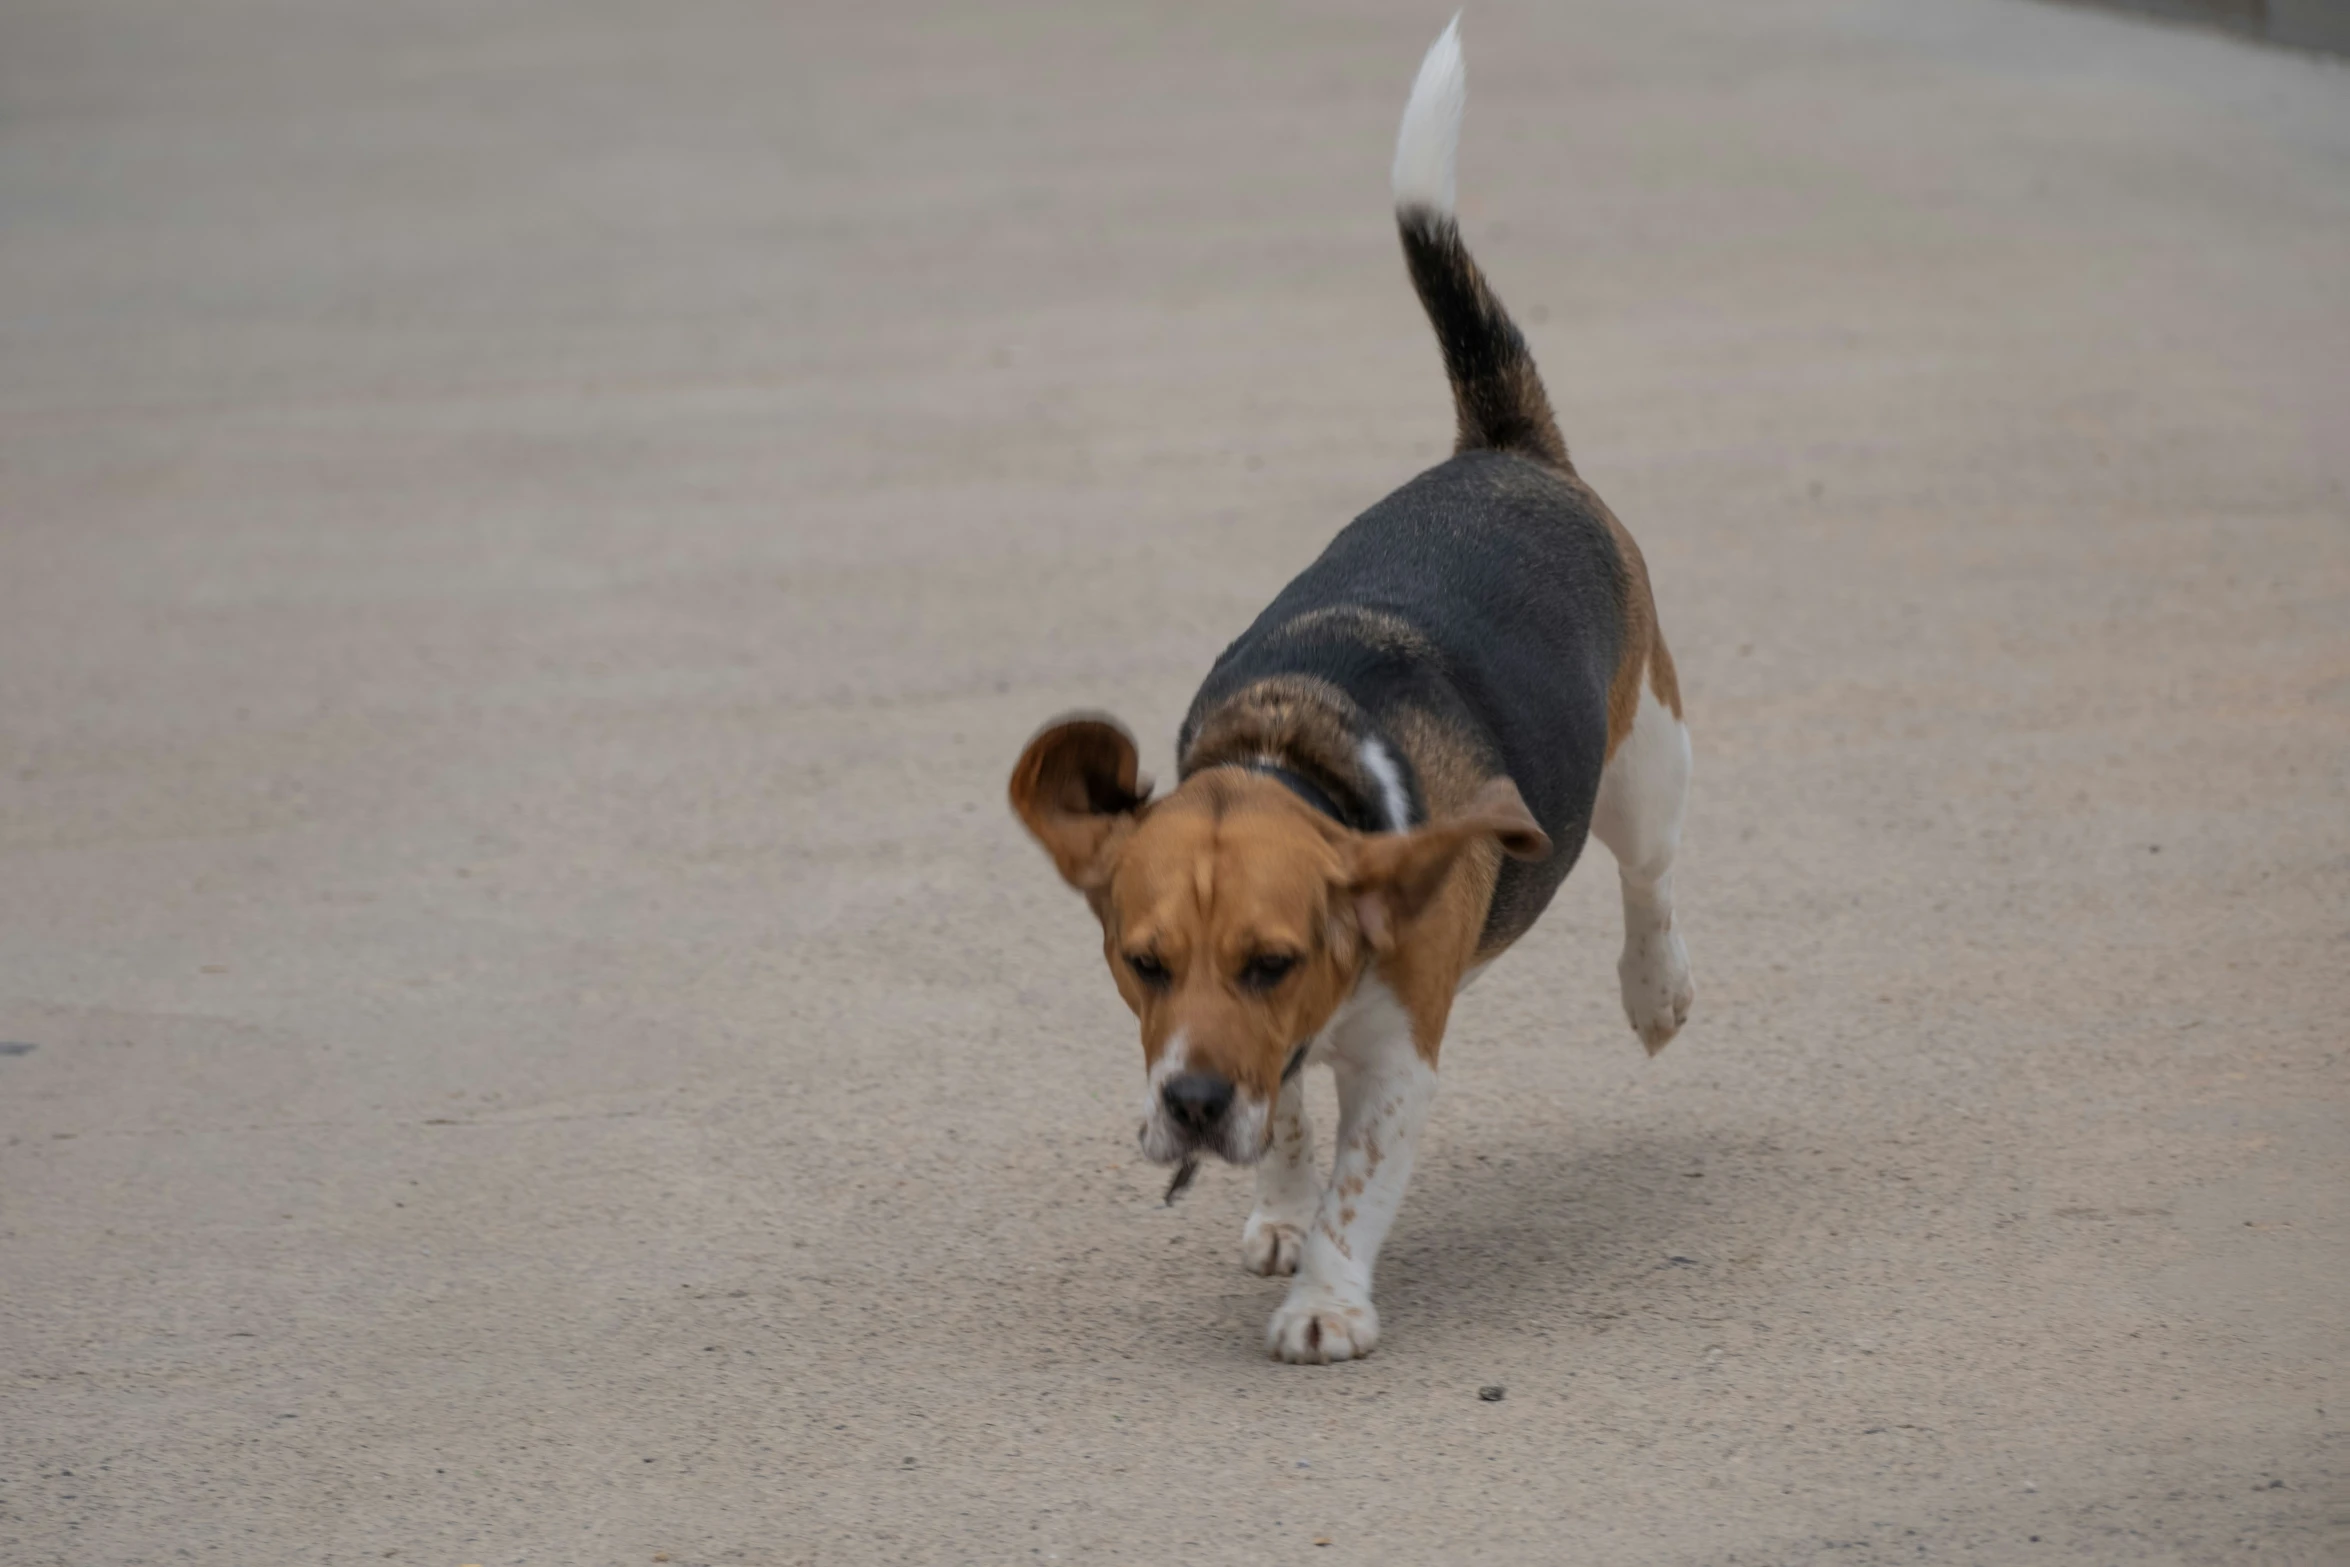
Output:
(1642, 794)
(1270, 1247)
(1275, 1236)
(1384, 1091)
(1654, 969)
(1320, 1327)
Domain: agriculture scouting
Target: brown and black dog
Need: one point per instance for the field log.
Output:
(1384, 781)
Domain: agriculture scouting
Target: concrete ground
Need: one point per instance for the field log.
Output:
(530, 536)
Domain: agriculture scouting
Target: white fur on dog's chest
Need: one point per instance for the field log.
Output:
(1358, 1029)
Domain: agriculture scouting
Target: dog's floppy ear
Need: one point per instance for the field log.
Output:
(1395, 874)
(1077, 790)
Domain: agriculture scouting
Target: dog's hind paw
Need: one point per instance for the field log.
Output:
(1657, 987)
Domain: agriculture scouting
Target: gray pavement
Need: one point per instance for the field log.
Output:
(530, 536)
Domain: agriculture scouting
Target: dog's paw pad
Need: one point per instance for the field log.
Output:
(1657, 987)
(1271, 1248)
(1319, 1328)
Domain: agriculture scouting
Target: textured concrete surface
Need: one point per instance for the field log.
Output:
(530, 536)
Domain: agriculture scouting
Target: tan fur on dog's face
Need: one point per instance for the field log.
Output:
(1226, 921)
(1235, 917)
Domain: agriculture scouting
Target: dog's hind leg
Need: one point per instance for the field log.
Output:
(1287, 1189)
(1642, 792)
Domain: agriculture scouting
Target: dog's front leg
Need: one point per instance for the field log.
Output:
(1286, 1189)
(1384, 1091)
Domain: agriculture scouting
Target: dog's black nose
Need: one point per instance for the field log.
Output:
(1195, 1101)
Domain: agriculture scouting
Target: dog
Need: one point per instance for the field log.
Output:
(1383, 782)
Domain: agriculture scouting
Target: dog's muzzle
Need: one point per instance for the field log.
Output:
(1192, 1113)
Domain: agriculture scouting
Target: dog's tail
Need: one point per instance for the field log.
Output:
(1496, 392)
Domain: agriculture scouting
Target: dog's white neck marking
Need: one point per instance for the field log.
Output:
(1395, 801)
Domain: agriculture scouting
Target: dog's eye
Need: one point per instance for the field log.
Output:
(1147, 968)
(1266, 970)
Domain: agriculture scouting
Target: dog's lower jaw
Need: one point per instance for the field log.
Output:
(1240, 1139)
(1160, 1142)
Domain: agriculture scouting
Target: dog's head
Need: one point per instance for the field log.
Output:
(1235, 918)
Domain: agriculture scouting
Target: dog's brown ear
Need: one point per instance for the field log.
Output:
(1395, 874)
(1077, 790)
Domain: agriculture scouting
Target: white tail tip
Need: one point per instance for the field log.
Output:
(1430, 142)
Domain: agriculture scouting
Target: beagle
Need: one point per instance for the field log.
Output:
(1383, 782)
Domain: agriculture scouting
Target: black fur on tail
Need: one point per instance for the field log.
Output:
(1497, 394)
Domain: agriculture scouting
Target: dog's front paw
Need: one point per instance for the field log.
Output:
(1271, 1246)
(1317, 1326)
(1657, 987)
